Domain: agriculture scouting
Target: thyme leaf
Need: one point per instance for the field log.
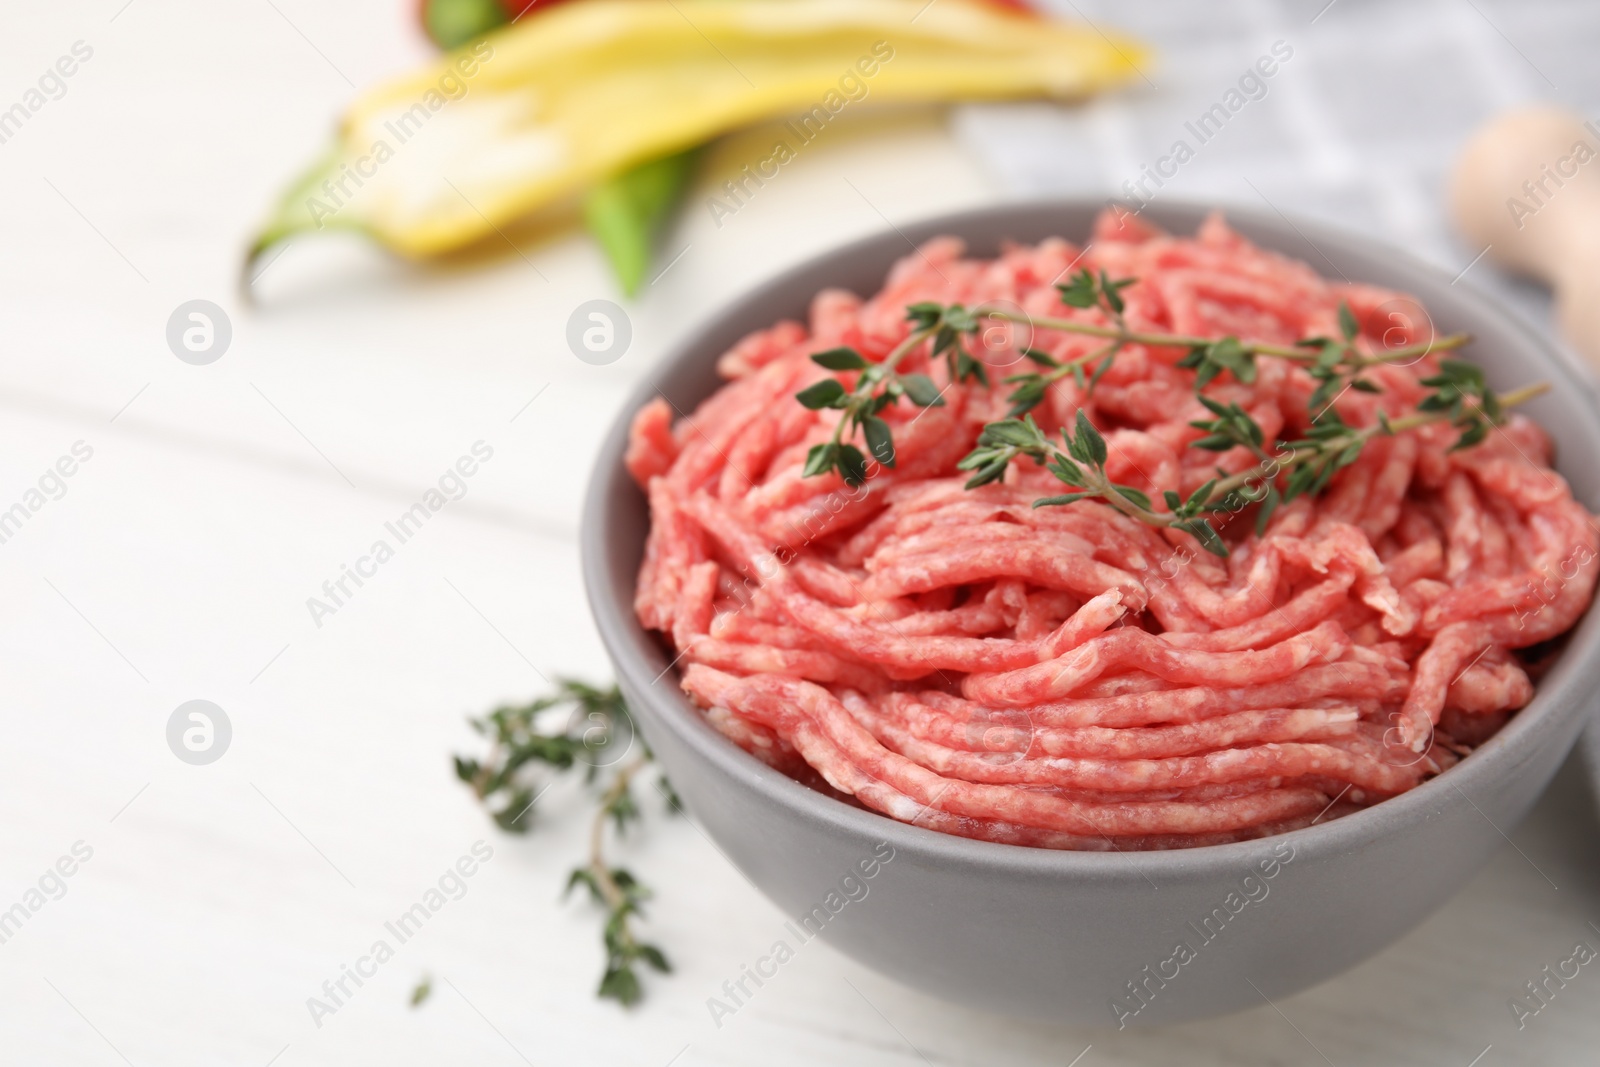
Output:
(877, 386)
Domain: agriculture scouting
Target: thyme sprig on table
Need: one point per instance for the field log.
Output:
(598, 733)
(618, 891)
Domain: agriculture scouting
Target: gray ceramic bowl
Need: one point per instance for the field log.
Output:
(1094, 937)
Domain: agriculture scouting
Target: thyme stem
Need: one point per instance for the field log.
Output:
(1122, 336)
(609, 890)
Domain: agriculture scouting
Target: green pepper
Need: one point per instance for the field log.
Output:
(625, 212)
(452, 23)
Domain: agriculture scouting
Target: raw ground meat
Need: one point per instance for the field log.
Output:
(1066, 677)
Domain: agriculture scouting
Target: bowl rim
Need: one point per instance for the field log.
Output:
(629, 644)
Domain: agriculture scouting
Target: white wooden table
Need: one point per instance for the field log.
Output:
(177, 561)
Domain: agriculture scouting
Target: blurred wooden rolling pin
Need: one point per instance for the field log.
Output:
(1528, 186)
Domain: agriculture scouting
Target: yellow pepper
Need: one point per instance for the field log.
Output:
(570, 96)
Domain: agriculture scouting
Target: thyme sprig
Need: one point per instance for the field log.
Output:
(1306, 465)
(598, 733)
(1336, 363)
